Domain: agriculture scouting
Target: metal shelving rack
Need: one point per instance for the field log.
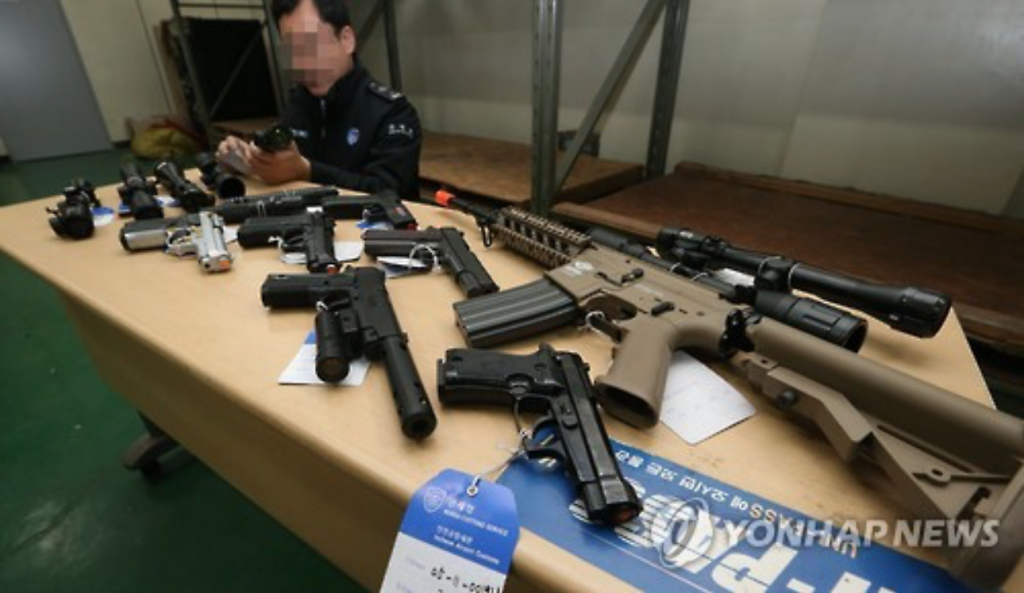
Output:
(549, 174)
(205, 116)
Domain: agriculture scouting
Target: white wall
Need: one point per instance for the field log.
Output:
(113, 44)
(918, 98)
(120, 51)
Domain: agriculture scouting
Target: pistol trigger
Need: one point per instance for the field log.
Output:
(291, 243)
(549, 447)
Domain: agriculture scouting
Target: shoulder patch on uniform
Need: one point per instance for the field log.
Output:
(383, 91)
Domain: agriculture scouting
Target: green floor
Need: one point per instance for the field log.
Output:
(71, 519)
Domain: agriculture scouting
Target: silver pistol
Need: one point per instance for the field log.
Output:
(201, 235)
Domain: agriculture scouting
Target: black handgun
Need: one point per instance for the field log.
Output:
(919, 312)
(383, 206)
(555, 384)
(138, 194)
(273, 139)
(190, 197)
(218, 180)
(311, 233)
(443, 247)
(356, 318)
(280, 203)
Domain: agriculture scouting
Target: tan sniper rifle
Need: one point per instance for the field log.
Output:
(949, 457)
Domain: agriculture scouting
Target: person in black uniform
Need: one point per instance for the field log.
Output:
(350, 130)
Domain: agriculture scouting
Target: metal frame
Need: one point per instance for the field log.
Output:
(206, 116)
(387, 9)
(669, 64)
(548, 175)
(547, 53)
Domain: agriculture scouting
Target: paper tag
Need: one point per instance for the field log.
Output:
(382, 225)
(397, 266)
(451, 541)
(102, 216)
(230, 234)
(348, 250)
(292, 258)
(698, 403)
(302, 369)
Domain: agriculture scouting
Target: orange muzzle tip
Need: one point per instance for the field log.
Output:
(443, 197)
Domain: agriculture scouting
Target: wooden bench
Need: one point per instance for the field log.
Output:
(500, 170)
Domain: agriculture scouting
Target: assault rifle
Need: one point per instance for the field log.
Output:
(950, 457)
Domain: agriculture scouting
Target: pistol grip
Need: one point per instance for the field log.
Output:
(633, 388)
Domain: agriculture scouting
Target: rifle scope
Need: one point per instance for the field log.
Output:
(916, 311)
(137, 193)
(813, 317)
(224, 184)
(188, 194)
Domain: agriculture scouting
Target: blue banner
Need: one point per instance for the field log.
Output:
(699, 533)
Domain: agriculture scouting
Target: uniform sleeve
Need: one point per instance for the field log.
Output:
(393, 160)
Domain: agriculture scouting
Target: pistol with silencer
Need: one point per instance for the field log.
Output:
(311, 233)
(383, 206)
(949, 457)
(138, 194)
(445, 247)
(201, 235)
(907, 309)
(280, 203)
(556, 385)
(190, 197)
(216, 179)
(355, 317)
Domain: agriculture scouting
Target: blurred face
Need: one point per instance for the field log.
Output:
(316, 56)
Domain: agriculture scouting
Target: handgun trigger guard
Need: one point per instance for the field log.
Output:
(292, 244)
(549, 447)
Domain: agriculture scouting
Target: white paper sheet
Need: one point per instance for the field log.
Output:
(302, 369)
(698, 403)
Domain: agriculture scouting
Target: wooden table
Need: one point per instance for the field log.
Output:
(200, 356)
